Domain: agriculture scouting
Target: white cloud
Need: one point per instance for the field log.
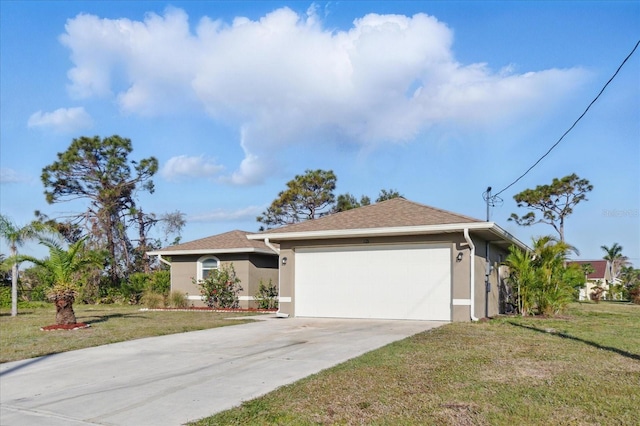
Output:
(287, 79)
(63, 120)
(8, 175)
(223, 215)
(193, 167)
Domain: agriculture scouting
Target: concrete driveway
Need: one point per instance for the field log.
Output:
(170, 380)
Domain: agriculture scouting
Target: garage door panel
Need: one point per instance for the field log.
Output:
(388, 282)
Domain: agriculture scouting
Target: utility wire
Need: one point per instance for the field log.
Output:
(574, 124)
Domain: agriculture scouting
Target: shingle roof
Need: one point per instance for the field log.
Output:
(233, 240)
(599, 267)
(396, 212)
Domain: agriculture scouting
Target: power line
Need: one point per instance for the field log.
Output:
(574, 123)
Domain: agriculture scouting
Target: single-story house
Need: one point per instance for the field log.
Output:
(600, 275)
(252, 260)
(395, 259)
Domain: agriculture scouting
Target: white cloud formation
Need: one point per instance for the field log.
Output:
(193, 167)
(8, 175)
(287, 79)
(63, 120)
(223, 215)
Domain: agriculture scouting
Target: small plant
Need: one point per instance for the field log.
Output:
(597, 293)
(634, 295)
(178, 299)
(221, 288)
(267, 295)
(152, 300)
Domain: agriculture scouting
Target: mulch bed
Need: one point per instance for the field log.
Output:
(76, 326)
(207, 309)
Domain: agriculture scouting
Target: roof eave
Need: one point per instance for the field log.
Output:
(208, 251)
(390, 231)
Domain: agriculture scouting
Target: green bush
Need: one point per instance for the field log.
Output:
(221, 288)
(178, 300)
(267, 295)
(5, 297)
(135, 287)
(160, 282)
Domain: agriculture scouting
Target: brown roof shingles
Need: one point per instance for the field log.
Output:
(599, 268)
(231, 240)
(396, 212)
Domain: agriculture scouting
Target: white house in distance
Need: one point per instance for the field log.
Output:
(601, 275)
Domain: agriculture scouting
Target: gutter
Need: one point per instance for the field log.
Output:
(161, 259)
(277, 250)
(472, 274)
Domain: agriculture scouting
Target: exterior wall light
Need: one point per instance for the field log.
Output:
(284, 261)
(459, 257)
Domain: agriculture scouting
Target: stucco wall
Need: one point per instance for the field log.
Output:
(250, 269)
(460, 271)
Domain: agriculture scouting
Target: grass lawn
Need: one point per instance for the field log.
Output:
(581, 369)
(21, 337)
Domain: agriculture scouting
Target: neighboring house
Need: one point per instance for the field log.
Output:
(392, 260)
(252, 260)
(601, 275)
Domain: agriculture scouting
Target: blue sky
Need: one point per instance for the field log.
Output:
(438, 100)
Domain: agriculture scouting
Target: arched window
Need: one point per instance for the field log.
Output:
(206, 265)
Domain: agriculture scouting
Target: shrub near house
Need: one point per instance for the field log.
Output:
(221, 288)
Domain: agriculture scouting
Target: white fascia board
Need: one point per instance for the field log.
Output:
(496, 230)
(366, 232)
(208, 251)
(391, 231)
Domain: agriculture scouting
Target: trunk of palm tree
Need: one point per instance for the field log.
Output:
(64, 310)
(14, 283)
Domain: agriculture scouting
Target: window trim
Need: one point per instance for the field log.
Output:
(201, 260)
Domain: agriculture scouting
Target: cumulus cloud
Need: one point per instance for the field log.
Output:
(183, 166)
(63, 120)
(287, 79)
(224, 215)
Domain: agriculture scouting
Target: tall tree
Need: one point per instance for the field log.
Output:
(347, 202)
(614, 255)
(307, 196)
(389, 194)
(99, 170)
(15, 237)
(555, 201)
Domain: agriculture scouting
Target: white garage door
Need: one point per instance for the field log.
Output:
(384, 281)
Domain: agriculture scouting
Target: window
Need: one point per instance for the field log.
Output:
(206, 265)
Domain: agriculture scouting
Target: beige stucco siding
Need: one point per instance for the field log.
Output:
(250, 269)
(460, 270)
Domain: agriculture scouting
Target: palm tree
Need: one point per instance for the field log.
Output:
(554, 279)
(541, 278)
(62, 265)
(617, 259)
(16, 236)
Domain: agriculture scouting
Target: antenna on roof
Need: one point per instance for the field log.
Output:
(492, 201)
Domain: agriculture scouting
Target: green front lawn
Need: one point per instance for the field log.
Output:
(21, 337)
(581, 369)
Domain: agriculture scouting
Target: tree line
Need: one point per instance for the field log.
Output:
(114, 232)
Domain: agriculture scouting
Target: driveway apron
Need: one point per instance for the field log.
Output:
(170, 380)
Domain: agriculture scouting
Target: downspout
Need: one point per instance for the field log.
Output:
(271, 246)
(472, 274)
(161, 259)
(277, 250)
